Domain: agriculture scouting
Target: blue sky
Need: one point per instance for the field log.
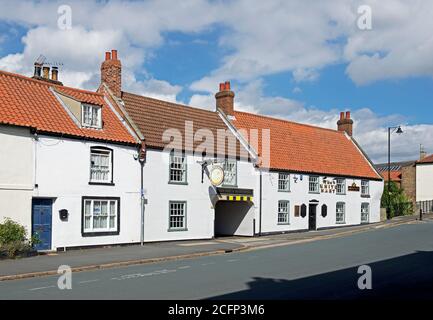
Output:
(288, 59)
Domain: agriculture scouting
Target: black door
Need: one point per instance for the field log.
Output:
(312, 208)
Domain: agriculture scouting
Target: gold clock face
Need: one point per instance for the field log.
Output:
(216, 175)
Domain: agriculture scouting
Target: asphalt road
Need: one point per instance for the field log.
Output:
(401, 260)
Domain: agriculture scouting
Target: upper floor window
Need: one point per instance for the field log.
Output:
(230, 172)
(341, 186)
(365, 188)
(101, 165)
(177, 167)
(91, 116)
(340, 212)
(283, 212)
(313, 184)
(283, 181)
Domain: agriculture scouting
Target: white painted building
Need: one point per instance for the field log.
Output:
(68, 165)
(424, 182)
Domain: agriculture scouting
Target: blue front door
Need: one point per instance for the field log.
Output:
(42, 210)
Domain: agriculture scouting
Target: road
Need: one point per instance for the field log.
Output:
(401, 260)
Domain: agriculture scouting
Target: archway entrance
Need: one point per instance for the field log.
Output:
(234, 218)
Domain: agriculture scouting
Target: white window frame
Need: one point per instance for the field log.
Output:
(283, 212)
(91, 116)
(101, 152)
(233, 173)
(340, 182)
(317, 184)
(183, 216)
(365, 188)
(90, 225)
(177, 168)
(284, 180)
(365, 212)
(340, 212)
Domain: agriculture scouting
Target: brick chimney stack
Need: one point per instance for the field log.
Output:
(225, 99)
(345, 123)
(111, 73)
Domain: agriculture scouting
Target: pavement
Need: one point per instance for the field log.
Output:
(400, 259)
(121, 256)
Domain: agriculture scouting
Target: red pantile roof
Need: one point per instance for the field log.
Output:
(154, 116)
(30, 103)
(428, 159)
(395, 175)
(304, 148)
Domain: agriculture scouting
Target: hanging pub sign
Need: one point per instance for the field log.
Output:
(216, 175)
(353, 187)
(327, 186)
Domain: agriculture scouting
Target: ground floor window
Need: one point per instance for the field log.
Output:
(365, 210)
(340, 212)
(101, 216)
(283, 212)
(177, 216)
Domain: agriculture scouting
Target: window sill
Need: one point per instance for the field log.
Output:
(101, 183)
(340, 194)
(175, 230)
(314, 192)
(283, 223)
(100, 234)
(365, 196)
(340, 222)
(286, 191)
(178, 183)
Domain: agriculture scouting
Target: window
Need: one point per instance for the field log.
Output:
(365, 189)
(91, 116)
(101, 216)
(365, 210)
(230, 172)
(313, 185)
(340, 212)
(283, 212)
(177, 168)
(177, 216)
(101, 165)
(341, 186)
(283, 181)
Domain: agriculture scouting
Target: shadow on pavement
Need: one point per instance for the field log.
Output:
(404, 277)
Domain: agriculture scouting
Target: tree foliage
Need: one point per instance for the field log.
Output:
(397, 200)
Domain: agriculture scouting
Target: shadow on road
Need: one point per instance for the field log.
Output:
(404, 277)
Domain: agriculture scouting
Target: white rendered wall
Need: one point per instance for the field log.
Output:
(299, 195)
(16, 174)
(199, 197)
(63, 172)
(424, 182)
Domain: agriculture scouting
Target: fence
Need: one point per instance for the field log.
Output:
(426, 206)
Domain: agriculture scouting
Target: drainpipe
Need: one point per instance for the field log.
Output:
(260, 206)
(142, 160)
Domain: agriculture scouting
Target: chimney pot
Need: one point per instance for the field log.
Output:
(222, 86)
(341, 115)
(38, 69)
(114, 54)
(347, 114)
(46, 72)
(227, 85)
(55, 73)
(107, 56)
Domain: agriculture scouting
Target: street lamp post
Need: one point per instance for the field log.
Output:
(397, 130)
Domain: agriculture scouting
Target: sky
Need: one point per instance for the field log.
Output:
(303, 61)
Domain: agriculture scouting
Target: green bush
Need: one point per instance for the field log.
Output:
(396, 200)
(13, 239)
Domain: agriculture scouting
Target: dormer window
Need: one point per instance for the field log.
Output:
(91, 116)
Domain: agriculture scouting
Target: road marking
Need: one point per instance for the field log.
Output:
(41, 288)
(207, 264)
(141, 275)
(232, 260)
(88, 281)
(184, 267)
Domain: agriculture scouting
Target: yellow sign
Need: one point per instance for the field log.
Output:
(216, 175)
